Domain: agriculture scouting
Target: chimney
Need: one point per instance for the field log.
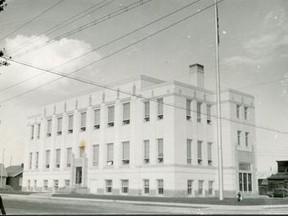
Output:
(196, 75)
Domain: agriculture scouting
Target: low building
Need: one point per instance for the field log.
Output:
(280, 179)
(143, 137)
(14, 177)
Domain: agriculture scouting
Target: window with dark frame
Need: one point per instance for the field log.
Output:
(126, 113)
(111, 116)
(188, 109)
(160, 109)
(147, 111)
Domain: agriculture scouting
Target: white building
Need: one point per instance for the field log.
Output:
(159, 139)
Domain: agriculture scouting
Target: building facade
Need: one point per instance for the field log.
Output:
(143, 136)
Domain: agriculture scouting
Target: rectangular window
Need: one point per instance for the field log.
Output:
(32, 131)
(29, 184)
(67, 182)
(189, 187)
(240, 182)
(160, 186)
(188, 109)
(56, 185)
(35, 185)
(38, 131)
(247, 138)
(95, 155)
(210, 187)
(160, 151)
(83, 121)
(59, 125)
(189, 151)
(58, 155)
(245, 181)
(126, 113)
(160, 108)
(111, 116)
(70, 123)
(146, 186)
(237, 111)
(108, 186)
(49, 127)
(199, 111)
(97, 119)
(246, 113)
(146, 152)
(208, 114)
(47, 164)
(124, 186)
(36, 160)
(249, 182)
(125, 152)
(110, 154)
(239, 138)
(199, 152)
(200, 187)
(69, 157)
(45, 185)
(209, 153)
(146, 111)
(30, 160)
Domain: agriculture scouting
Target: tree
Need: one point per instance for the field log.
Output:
(2, 4)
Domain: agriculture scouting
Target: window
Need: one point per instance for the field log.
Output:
(32, 131)
(160, 186)
(35, 185)
(124, 186)
(160, 108)
(146, 152)
(58, 152)
(110, 154)
(210, 187)
(69, 157)
(36, 160)
(209, 152)
(56, 185)
(126, 113)
(239, 138)
(45, 185)
(189, 187)
(83, 121)
(245, 177)
(246, 113)
(199, 152)
(29, 184)
(59, 125)
(70, 124)
(47, 158)
(30, 160)
(237, 111)
(189, 151)
(199, 111)
(111, 116)
(160, 150)
(95, 155)
(208, 114)
(97, 119)
(38, 131)
(126, 153)
(67, 182)
(49, 127)
(108, 186)
(188, 109)
(200, 187)
(146, 186)
(247, 138)
(147, 111)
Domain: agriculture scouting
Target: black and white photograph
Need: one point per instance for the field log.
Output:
(143, 107)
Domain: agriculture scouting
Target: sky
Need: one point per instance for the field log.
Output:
(253, 57)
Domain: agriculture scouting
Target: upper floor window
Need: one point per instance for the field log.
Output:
(32, 131)
(247, 138)
(160, 151)
(208, 114)
(146, 152)
(58, 155)
(147, 111)
(111, 116)
(95, 155)
(199, 152)
(97, 118)
(246, 113)
(199, 111)
(49, 127)
(38, 131)
(126, 113)
(189, 151)
(110, 154)
(36, 160)
(30, 160)
(59, 125)
(83, 121)
(188, 109)
(126, 152)
(237, 111)
(239, 137)
(209, 153)
(69, 157)
(160, 108)
(70, 124)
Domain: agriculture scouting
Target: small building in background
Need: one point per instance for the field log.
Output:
(3, 175)
(14, 177)
(280, 179)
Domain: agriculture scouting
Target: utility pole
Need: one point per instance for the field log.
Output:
(218, 95)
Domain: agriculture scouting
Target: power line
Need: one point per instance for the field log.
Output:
(106, 44)
(87, 25)
(30, 21)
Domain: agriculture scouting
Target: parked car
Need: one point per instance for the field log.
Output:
(280, 192)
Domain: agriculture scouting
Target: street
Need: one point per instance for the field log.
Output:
(49, 205)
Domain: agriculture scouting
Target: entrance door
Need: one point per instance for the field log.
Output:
(78, 175)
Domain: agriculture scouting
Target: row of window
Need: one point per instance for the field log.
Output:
(239, 134)
(125, 186)
(125, 154)
(238, 108)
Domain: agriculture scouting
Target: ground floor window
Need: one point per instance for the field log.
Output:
(160, 186)
(210, 187)
(28, 184)
(189, 187)
(35, 184)
(245, 181)
(108, 186)
(45, 185)
(67, 183)
(56, 184)
(146, 186)
(124, 186)
(200, 187)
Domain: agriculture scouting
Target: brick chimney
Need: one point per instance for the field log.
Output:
(196, 75)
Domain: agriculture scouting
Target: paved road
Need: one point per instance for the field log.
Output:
(45, 205)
